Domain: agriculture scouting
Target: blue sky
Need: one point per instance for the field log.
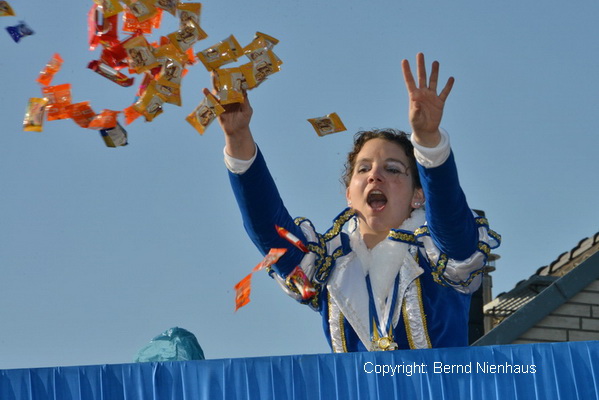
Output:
(102, 249)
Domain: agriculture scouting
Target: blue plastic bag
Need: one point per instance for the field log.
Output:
(174, 344)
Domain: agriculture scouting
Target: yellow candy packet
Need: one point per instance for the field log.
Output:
(110, 7)
(140, 54)
(260, 68)
(141, 9)
(224, 52)
(35, 114)
(328, 124)
(230, 84)
(189, 11)
(168, 5)
(205, 113)
(173, 65)
(6, 10)
(170, 94)
(189, 33)
(261, 43)
(150, 102)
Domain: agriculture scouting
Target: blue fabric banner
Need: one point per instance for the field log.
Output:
(535, 371)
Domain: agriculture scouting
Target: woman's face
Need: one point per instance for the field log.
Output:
(381, 189)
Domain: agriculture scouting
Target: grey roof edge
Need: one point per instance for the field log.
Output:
(544, 303)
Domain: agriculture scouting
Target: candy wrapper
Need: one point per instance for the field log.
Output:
(205, 113)
(244, 287)
(189, 33)
(111, 8)
(107, 119)
(189, 11)
(108, 72)
(242, 292)
(53, 66)
(263, 65)
(139, 54)
(170, 94)
(19, 31)
(224, 52)
(261, 44)
(169, 6)
(173, 65)
(131, 114)
(300, 281)
(5, 9)
(101, 28)
(81, 113)
(328, 124)
(230, 84)
(291, 238)
(114, 137)
(132, 24)
(270, 259)
(150, 103)
(35, 114)
(142, 9)
(59, 97)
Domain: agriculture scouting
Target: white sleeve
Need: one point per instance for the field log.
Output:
(237, 166)
(431, 157)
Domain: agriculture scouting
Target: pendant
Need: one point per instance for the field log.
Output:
(384, 344)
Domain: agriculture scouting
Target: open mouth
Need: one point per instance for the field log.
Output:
(376, 200)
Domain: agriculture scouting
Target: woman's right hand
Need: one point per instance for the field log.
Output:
(235, 123)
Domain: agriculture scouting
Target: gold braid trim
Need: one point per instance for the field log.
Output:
(339, 221)
(402, 236)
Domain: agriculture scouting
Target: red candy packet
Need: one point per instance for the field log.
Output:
(301, 282)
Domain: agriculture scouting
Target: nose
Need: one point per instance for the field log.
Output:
(375, 175)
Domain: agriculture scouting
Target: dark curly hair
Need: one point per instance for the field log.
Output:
(392, 135)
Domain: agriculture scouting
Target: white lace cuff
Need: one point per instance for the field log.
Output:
(431, 157)
(237, 166)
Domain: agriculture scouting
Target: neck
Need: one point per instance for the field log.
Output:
(371, 239)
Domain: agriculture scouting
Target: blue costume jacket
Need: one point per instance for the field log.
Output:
(443, 267)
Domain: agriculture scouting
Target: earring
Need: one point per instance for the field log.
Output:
(417, 204)
(349, 203)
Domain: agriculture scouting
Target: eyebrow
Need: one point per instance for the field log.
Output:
(390, 159)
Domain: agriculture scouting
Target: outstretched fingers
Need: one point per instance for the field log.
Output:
(447, 89)
(407, 76)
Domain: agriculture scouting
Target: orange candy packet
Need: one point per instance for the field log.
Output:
(35, 114)
(142, 9)
(53, 66)
(328, 124)
(105, 120)
(131, 114)
(59, 97)
(203, 115)
(81, 113)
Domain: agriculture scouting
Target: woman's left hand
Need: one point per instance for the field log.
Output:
(426, 107)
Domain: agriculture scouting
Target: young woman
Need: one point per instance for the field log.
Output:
(389, 273)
